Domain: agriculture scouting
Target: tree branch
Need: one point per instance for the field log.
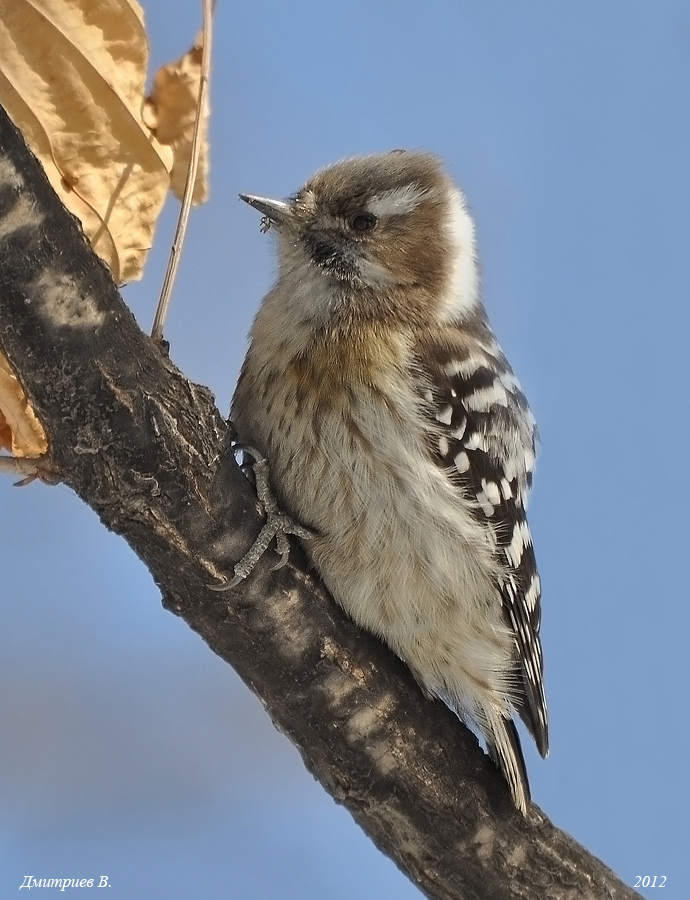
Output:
(144, 448)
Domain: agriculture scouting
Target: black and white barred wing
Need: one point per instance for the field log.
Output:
(486, 438)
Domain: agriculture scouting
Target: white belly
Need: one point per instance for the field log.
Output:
(396, 546)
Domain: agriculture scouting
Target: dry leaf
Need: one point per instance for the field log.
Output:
(72, 77)
(170, 113)
(20, 430)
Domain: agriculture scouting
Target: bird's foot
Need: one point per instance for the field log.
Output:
(278, 525)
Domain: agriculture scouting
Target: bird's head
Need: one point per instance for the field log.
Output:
(389, 234)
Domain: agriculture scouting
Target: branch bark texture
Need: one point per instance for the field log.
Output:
(144, 448)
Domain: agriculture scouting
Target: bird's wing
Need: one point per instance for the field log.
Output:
(484, 435)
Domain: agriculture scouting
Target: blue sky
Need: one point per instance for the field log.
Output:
(126, 748)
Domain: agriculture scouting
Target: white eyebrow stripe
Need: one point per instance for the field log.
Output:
(396, 201)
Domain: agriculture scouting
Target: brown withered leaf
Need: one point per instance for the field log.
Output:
(20, 430)
(170, 113)
(72, 77)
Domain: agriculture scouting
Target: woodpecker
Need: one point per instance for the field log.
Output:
(398, 436)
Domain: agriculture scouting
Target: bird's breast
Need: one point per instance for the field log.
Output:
(345, 429)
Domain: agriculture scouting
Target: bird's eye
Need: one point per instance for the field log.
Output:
(363, 222)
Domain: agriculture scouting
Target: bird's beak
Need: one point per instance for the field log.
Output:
(275, 212)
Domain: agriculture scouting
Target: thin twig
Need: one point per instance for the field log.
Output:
(178, 240)
(13, 465)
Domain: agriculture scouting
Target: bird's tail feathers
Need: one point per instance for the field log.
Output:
(503, 743)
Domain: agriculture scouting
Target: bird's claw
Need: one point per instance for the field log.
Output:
(277, 525)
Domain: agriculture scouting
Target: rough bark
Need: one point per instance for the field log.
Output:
(144, 448)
